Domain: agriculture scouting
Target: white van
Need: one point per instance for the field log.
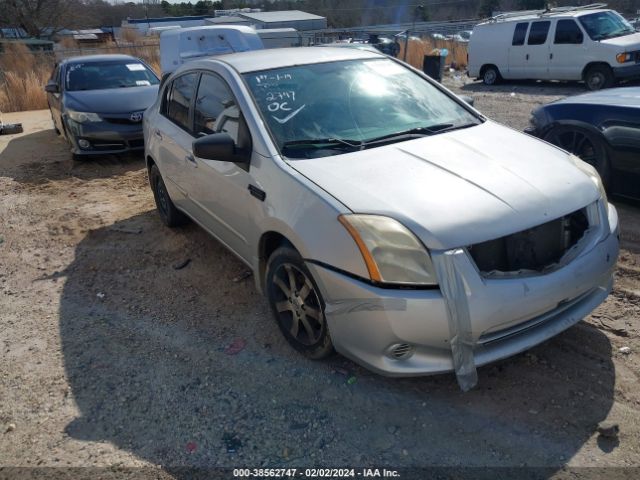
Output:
(590, 43)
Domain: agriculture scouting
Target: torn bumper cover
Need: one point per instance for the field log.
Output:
(471, 320)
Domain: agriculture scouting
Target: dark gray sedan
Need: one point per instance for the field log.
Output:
(97, 102)
(602, 128)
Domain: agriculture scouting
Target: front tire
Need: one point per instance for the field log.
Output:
(297, 304)
(169, 214)
(598, 77)
(584, 144)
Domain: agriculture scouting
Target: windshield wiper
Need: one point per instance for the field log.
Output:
(418, 132)
(324, 143)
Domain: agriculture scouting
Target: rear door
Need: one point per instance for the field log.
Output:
(537, 56)
(567, 52)
(517, 51)
(173, 133)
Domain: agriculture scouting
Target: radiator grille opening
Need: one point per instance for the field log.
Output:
(535, 249)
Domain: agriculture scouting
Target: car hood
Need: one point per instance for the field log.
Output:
(457, 188)
(113, 100)
(630, 42)
(627, 96)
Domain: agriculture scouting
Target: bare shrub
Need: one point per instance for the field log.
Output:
(23, 75)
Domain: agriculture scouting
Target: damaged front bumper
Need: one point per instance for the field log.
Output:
(471, 320)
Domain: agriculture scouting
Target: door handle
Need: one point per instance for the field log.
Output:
(551, 56)
(527, 56)
(191, 158)
(158, 134)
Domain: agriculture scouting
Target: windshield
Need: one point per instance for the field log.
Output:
(340, 106)
(603, 25)
(105, 75)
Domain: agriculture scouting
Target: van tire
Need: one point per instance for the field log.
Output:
(491, 75)
(598, 77)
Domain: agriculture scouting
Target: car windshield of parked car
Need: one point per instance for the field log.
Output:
(603, 25)
(329, 108)
(107, 75)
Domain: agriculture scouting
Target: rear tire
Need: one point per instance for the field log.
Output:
(598, 77)
(297, 304)
(169, 214)
(491, 75)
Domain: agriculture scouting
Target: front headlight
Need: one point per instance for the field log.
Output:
(624, 57)
(592, 174)
(83, 117)
(391, 252)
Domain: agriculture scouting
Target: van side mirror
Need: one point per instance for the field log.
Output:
(220, 147)
(467, 99)
(52, 87)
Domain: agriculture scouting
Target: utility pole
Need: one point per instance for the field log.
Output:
(419, 8)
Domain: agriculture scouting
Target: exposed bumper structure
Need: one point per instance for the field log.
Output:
(507, 315)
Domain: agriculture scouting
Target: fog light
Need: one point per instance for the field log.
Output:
(400, 351)
(84, 143)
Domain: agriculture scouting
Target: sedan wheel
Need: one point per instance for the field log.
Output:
(583, 144)
(297, 304)
(170, 215)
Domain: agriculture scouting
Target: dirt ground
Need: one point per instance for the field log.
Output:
(112, 357)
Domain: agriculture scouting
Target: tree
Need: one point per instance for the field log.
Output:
(38, 16)
(533, 4)
(487, 7)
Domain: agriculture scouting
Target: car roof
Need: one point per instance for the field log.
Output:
(257, 60)
(100, 58)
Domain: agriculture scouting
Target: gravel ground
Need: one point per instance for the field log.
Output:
(112, 357)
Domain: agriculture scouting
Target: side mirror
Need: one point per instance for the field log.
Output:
(218, 146)
(467, 99)
(51, 87)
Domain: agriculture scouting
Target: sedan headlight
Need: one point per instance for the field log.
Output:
(83, 117)
(592, 174)
(391, 252)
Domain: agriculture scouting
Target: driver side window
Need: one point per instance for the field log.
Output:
(216, 111)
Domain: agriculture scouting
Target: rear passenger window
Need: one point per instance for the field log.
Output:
(567, 32)
(538, 33)
(520, 34)
(178, 101)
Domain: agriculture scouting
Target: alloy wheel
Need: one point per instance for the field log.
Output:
(297, 305)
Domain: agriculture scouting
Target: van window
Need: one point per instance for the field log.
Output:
(538, 33)
(178, 101)
(520, 33)
(568, 32)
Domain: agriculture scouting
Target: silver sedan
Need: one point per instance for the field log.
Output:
(382, 216)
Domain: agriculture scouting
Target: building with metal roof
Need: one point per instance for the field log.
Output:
(297, 19)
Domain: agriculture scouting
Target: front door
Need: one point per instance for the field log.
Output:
(567, 52)
(221, 189)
